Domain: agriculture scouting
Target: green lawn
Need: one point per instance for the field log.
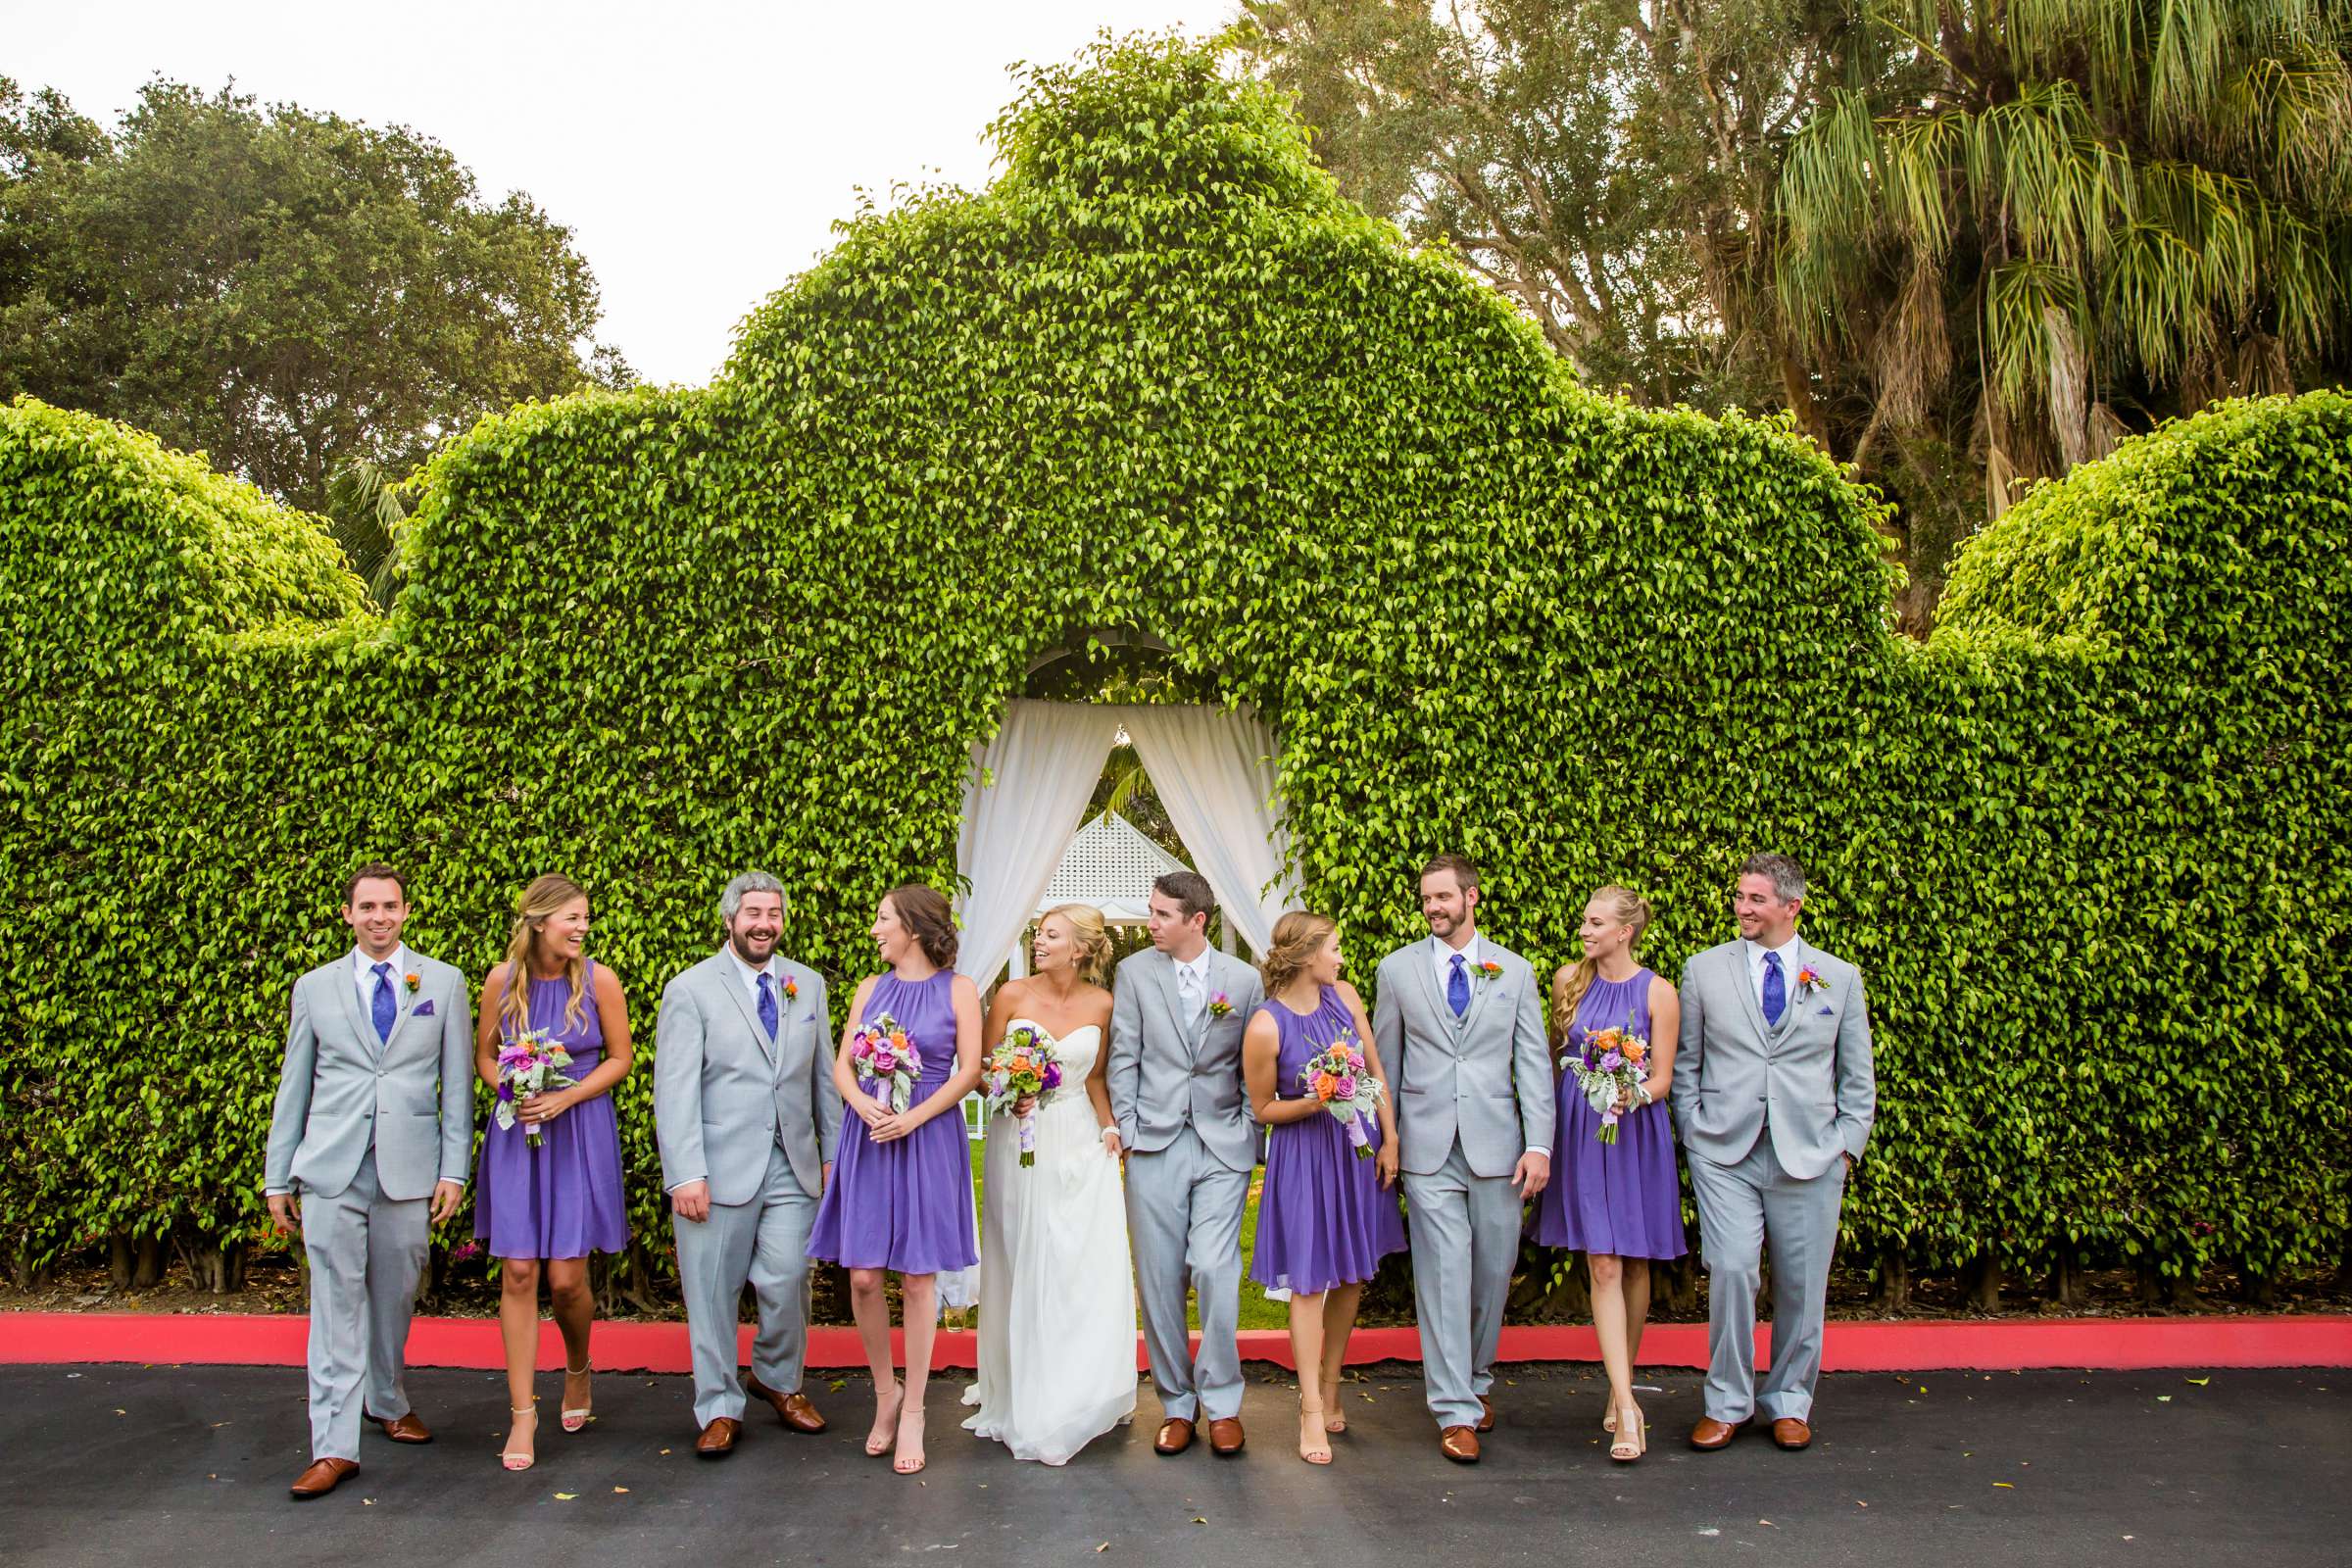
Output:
(1257, 1311)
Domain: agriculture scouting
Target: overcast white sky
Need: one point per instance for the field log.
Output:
(698, 151)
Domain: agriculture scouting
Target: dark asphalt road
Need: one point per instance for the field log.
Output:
(188, 1466)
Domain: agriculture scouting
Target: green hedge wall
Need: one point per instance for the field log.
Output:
(2086, 842)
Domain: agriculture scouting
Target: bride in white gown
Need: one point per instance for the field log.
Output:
(1056, 1291)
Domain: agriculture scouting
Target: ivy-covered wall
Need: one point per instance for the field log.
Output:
(2086, 844)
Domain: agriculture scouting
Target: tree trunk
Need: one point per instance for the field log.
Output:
(216, 1267)
(2257, 1287)
(2067, 1287)
(1894, 1294)
(25, 1276)
(1674, 1285)
(1981, 1280)
(134, 1262)
(1797, 389)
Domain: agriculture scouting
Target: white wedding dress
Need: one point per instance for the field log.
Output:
(1056, 1288)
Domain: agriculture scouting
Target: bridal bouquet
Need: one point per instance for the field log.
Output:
(1024, 1065)
(883, 1055)
(1342, 1080)
(1611, 1066)
(526, 1065)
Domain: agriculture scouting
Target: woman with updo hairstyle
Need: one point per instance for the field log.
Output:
(542, 1208)
(1057, 1353)
(1327, 1215)
(1620, 1203)
(901, 1195)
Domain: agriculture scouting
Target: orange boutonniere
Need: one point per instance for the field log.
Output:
(411, 980)
(1489, 969)
(792, 988)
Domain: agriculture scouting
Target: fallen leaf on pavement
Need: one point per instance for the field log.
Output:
(566, 1496)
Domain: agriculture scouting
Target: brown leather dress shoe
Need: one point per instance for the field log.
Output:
(1711, 1434)
(718, 1437)
(404, 1428)
(1225, 1437)
(1175, 1436)
(1458, 1444)
(1792, 1434)
(793, 1409)
(322, 1477)
(1486, 1416)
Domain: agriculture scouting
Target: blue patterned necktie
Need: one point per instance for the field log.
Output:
(382, 1005)
(1776, 989)
(1457, 988)
(767, 1003)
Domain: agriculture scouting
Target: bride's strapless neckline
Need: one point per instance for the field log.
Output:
(1063, 1043)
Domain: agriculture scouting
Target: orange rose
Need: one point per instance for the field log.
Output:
(1326, 1086)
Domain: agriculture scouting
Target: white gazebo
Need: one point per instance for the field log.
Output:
(1110, 864)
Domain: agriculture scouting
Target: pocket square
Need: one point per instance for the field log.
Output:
(424, 1008)
(1826, 1012)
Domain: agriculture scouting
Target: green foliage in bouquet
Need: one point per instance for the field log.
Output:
(2086, 842)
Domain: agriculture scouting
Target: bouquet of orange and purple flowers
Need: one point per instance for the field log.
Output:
(1023, 1066)
(1611, 1068)
(1342, 1079)
(886, 1062)
(526, 1065)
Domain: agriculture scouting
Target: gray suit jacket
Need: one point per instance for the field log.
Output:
(342, 1092)
(1485, 1077)
(1809, 1080)
(724, 1093)
(1161, 1077)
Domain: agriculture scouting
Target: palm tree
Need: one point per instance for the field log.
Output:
(2102, 213)
(365, 510)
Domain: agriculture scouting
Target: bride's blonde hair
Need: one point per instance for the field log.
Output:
(1094, 940)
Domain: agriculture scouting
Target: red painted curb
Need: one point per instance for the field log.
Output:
(2095, 1344)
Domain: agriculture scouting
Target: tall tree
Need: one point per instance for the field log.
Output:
(290, 292)
(2098, 214)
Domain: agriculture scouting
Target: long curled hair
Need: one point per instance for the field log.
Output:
(1297, 937)
(1093, 941)
(542, 898)
(1625, 904)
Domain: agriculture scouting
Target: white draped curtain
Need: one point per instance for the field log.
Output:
(1214, 770)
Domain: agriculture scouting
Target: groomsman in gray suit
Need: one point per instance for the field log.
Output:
(370, 1140)
(1459, 1021)
(747, 1116)
(1773, 1098)
(1175, 1071)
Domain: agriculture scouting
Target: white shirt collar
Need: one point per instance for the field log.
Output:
(1442, 953)
(1198, 964)
(751, 972)
(1786, 950)
(363, 968)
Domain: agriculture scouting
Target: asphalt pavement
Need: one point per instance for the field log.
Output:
(188, 1466)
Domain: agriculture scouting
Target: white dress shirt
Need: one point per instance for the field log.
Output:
(363, 976)
(1440, 954)
(1197, 995)
(750, 974)
(1789, 952)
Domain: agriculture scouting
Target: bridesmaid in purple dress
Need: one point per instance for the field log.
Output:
(901, 1196)
(553, 1205)
(1620, 1203)
(1326, 1216)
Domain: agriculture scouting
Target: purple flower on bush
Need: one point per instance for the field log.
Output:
(461, 1254)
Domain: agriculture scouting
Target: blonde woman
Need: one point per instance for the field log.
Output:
(1620, 1203)
(1326, 1216)
(544, 1208)
(1057, 1301)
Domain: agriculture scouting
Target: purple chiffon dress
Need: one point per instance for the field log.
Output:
(1323, 1218)
(563, 1198)
(905, 1206)
(1621, 1199)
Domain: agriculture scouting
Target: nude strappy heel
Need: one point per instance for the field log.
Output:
(1631, 1444)
(513, 1459)
(574, 1420)
(1310, 1417)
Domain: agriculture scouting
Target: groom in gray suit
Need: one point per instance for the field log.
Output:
(370, 1140)
(747, 1117)
(1175, 1071)
(1458, 1020)
(1773, 1098)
